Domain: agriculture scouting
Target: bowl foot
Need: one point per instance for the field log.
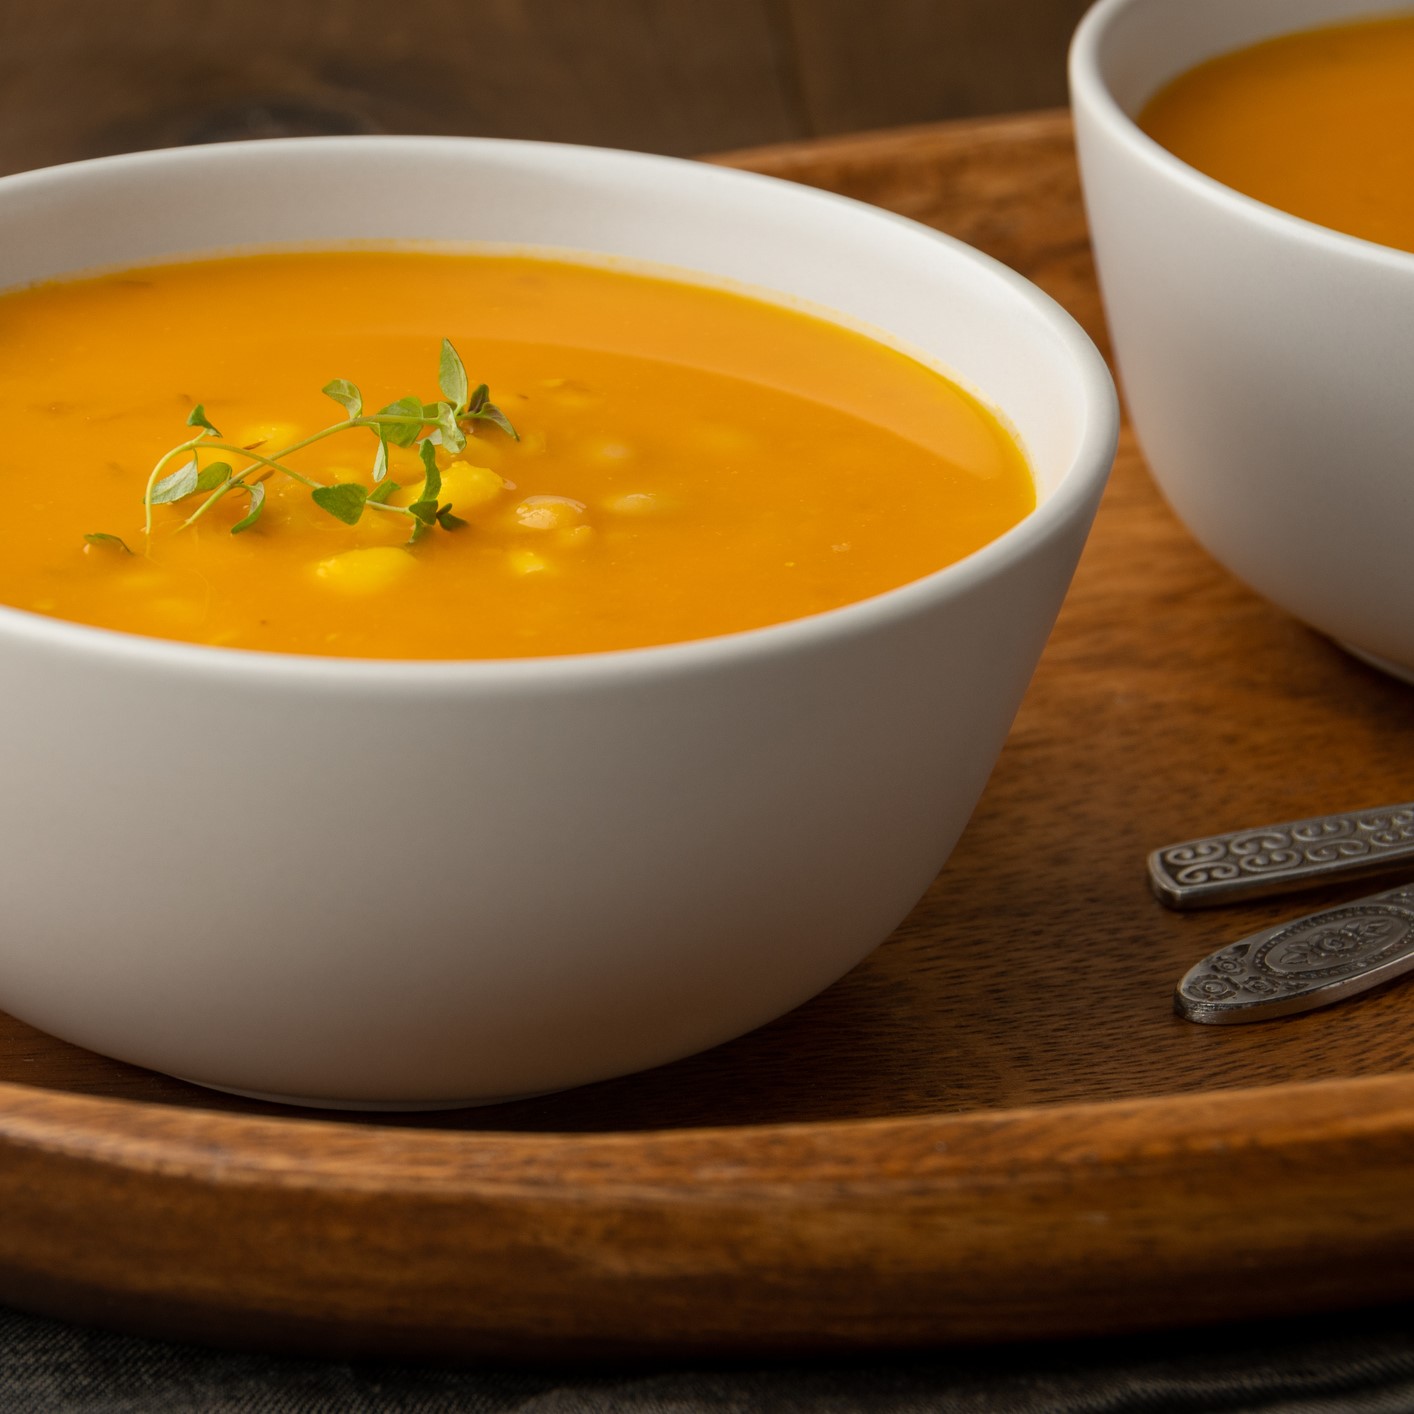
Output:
(371, 1106)
(1401, 671)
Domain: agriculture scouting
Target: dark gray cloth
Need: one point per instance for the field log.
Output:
(1352, 1364)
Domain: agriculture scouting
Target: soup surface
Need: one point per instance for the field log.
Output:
(1319, 124)
(690, 461)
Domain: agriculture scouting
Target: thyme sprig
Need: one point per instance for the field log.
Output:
(406, 422)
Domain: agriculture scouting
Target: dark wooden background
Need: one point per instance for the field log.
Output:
(80, 78)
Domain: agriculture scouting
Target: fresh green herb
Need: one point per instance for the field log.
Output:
(197, 418)
(401, 423)
(451, 376)
(432, 478)
(257, 504)
(182, 482)
(98, 537)
(346, 394)
(217, 474)
(480, 407)
(406, 422)
(344, 500)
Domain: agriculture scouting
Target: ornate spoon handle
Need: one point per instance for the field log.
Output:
(1276, 858)
(1299, 966)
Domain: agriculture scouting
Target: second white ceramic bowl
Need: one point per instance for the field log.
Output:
(209, 866)
(1266, 360)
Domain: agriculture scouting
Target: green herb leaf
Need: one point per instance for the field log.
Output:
(99, 537)
(187, 479)
(343, 500)
(449, 433)
(451, 377)
(408, 422)
(346, 394)
(401, 432)
(217, 474)
(492, 414)
(197, 418)
(257, 504)
(180, 483)
(482, 409)
(432, 485)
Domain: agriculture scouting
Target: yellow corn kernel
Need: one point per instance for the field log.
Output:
(548, 513)
(367, 571)
(576, 537)
(467, 486)
(634, 503)
(526, 562)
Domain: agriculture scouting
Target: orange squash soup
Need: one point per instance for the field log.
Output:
(1318, 123)
(651, 460)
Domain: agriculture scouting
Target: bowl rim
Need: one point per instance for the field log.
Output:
(1091, 94)
(1072, 493)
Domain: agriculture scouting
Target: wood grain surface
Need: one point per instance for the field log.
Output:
(994, 1127)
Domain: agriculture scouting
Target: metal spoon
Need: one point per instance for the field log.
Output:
(1275, 858)
(1299, 966)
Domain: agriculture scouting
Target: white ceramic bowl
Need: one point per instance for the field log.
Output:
(611, 860)
(1266, 360)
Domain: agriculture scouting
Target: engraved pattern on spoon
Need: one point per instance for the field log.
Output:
(1299, 966)
(1274, 858)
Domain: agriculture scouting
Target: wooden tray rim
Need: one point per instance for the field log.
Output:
(964, 1148)
(327, 1238)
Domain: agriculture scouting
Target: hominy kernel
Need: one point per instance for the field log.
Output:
(467, 486)
(548, 512)
(366, 571)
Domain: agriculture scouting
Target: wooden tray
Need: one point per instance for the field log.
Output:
(993, 1128)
